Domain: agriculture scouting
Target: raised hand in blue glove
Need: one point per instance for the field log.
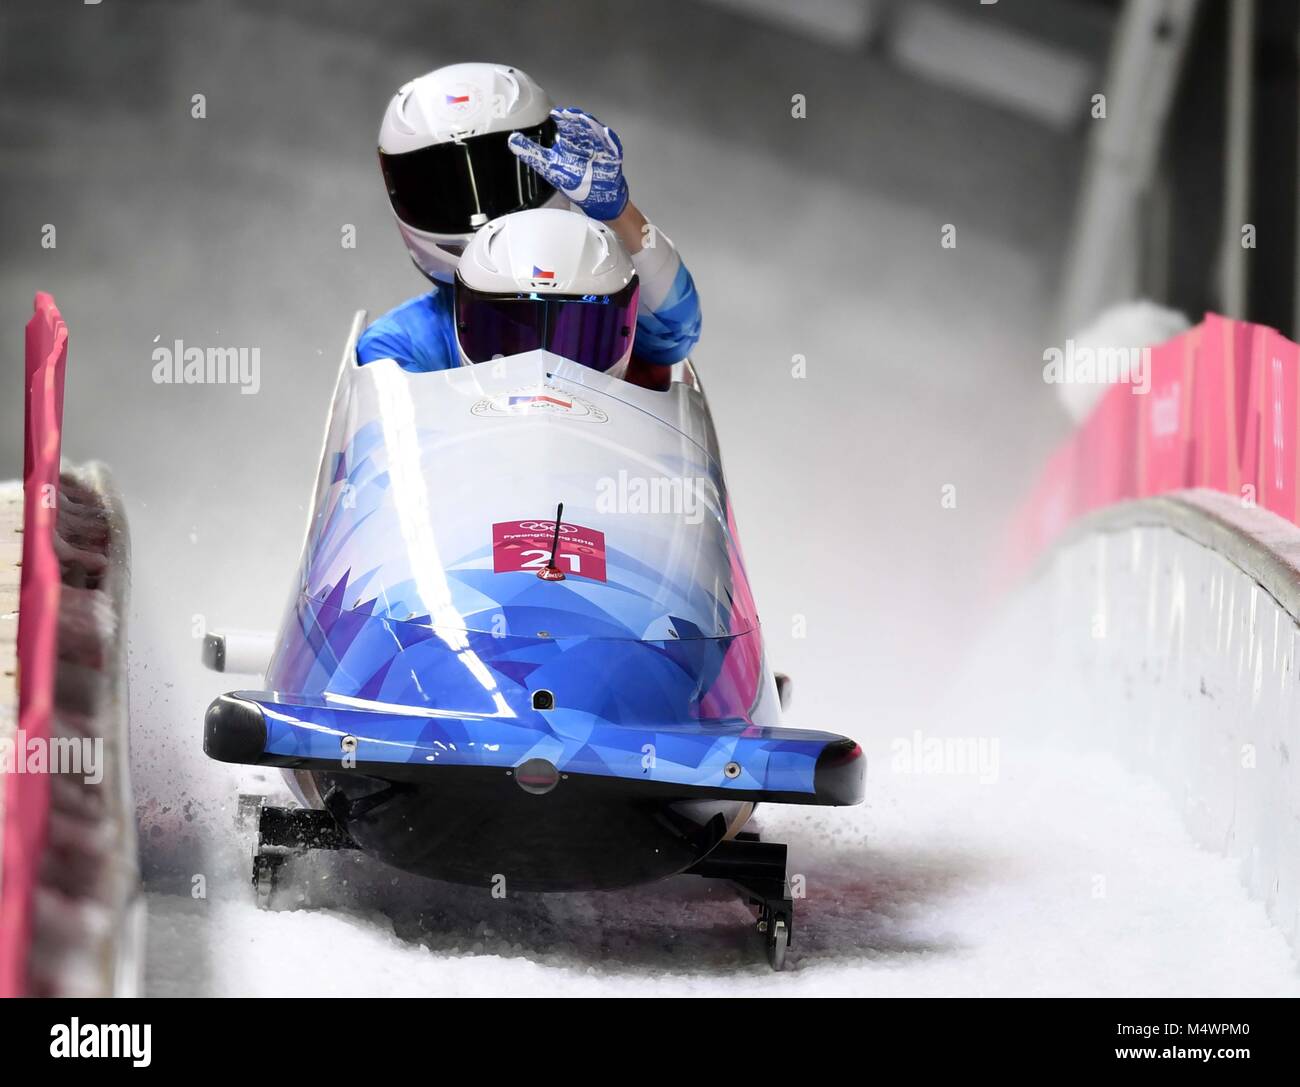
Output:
(585, 163)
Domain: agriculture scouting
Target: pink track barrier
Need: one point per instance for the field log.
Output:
(26, 796)
(1222, 412)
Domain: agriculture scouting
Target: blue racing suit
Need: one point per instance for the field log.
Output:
(421, 334)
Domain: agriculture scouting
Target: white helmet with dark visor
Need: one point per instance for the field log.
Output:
(444, 155)
(551, 280)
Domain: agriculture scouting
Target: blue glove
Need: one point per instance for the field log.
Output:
(585, 163)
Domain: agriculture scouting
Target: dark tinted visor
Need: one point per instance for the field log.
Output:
(438, 189)
(594, 330)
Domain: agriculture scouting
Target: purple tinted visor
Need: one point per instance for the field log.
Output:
(594, 330)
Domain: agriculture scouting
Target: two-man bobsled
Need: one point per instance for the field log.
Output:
(473, 684)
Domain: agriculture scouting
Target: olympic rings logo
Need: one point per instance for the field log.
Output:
(549, 526)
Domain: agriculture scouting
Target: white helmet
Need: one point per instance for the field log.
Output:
(547, 279)
(443, 153)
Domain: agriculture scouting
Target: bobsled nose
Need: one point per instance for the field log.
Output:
(234, 730)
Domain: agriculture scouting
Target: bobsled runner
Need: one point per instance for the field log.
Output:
(521, 645)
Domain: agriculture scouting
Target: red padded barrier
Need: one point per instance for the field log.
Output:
(1222, 412)
(26, 796)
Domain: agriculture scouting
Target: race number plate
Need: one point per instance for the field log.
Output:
(526, 546)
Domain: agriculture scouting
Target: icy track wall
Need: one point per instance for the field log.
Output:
(1167, 632)
(70, 908)
(1160, 617)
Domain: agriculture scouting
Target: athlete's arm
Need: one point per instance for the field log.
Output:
(586, 164)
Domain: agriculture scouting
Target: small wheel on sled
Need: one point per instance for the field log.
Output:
(778, 941)
(265, 871)
(776, 932)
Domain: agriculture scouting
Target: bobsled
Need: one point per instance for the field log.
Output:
(521, 648)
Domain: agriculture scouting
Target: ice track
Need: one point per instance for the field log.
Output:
(1064, 877)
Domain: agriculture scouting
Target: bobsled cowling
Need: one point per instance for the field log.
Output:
(432, 482)
(421, 649)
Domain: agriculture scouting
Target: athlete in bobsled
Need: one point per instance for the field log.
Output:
(468, 143)
(547, 280)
